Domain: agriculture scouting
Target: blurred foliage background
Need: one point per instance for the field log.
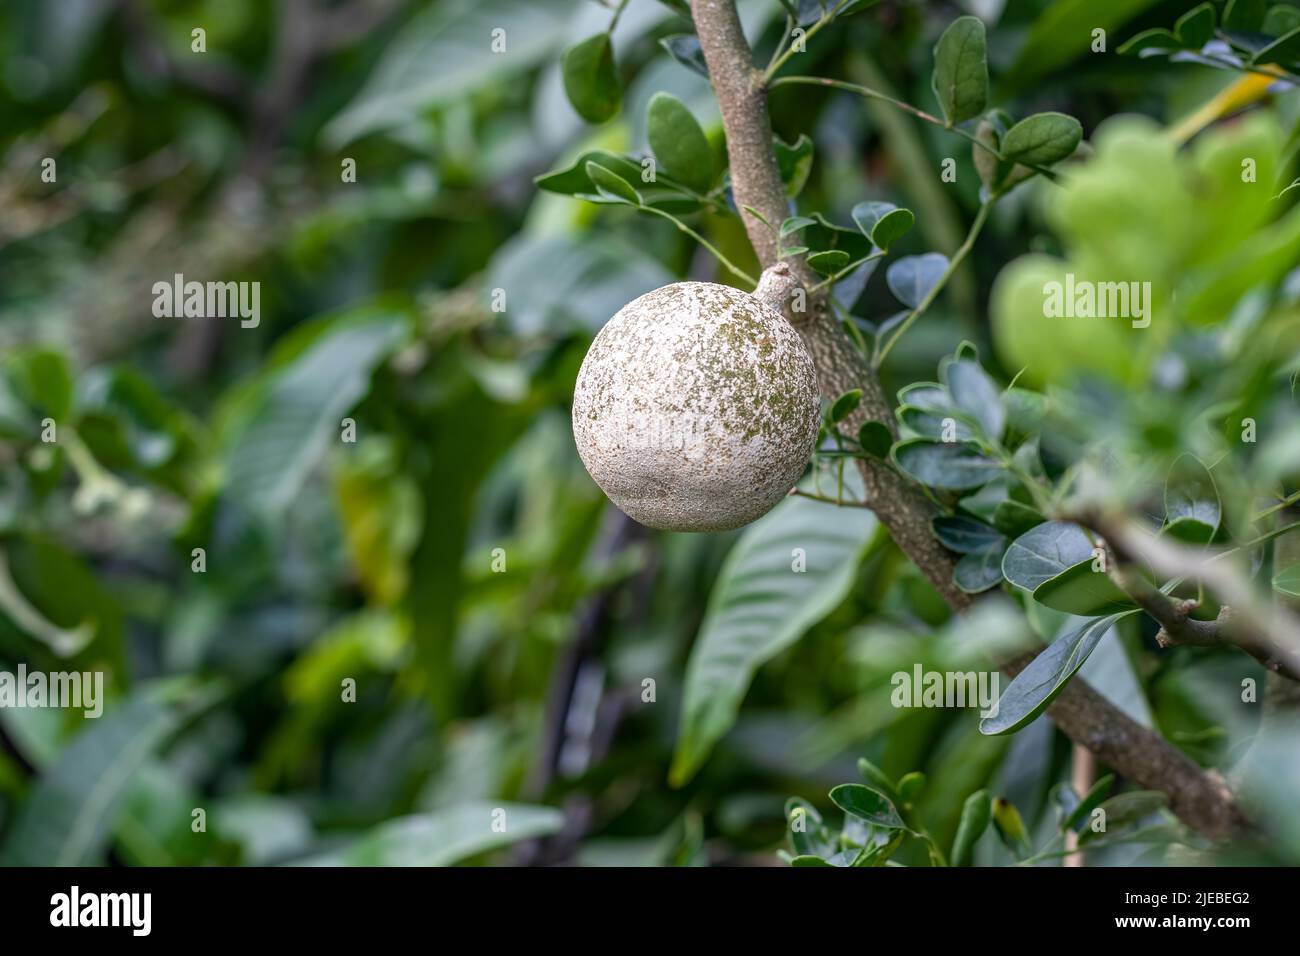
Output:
(499, 619)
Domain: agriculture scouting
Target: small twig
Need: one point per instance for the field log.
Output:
(839, 502)
(905, 107)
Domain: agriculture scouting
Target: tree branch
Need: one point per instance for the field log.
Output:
(1200, 798)
(1267, 632)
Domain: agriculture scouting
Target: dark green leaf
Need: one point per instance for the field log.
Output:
(975, 815)
(1035, 687)
(829, 262)
(1196, 27)
(573, 180)
(965, 535)
(1157, 39)
(1081, 590)
(868, 804)
(946, 465)
(1045, 551)
(611, 185)
(883, 222)
(678, 143)
(1014, 518)
(1096, 794)
(1190, 494)
(1285, 49)
(759, 607)
(445, 836)
(68, 815)
(295, 412)
(846, 405)
(1244, 15)
(878, 779)
(1042, 139)
(910, 786)
(1123, 810)
(961, 72)
(794, 224)
(590, 79)
(1281, 20)
(875, 439)
(794, 162)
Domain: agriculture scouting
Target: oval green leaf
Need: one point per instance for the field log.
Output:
(678, 142)
(590, 80)
(961, 71)
(1042, 139)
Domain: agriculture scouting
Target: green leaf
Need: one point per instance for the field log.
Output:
(965, 535)
(1157, 39)
(573, 179)
(829, 262)
(846, 405)
(1285, 49)
(45, 379)
(1125, 809)
(910, 786)
(868, 804)
(1081, 590)
(976, 394)
(980, 571)
(1035, 687)
(685, 49)
(760, 606)
(1042, 139)
(590, 80)
(810, 861)
(1191, 496)
(68, 815)
(875, 439)
(1096, 794)
(1280, 20)
(883, 222)
(678, 142)
(976, 813)
(795, 224)
(445, 836)
(948, 465)
(1195, 28)
(1014, 518)
(794, 162)
(1043, 552)
(1287, 581)
(441, 55)
(612, 186)
(1245, 16)
(294, 413)
(912, 278)
(961, 70)
(1061, 35)
(878, 779)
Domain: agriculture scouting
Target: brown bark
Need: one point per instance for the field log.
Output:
(1200, 798)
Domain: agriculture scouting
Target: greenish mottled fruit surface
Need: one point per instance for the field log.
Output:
(696, 408)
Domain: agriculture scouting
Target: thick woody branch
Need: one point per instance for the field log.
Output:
(1200, 798)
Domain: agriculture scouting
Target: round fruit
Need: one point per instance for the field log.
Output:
(696, 407)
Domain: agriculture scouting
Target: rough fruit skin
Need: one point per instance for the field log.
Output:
(696, 408)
